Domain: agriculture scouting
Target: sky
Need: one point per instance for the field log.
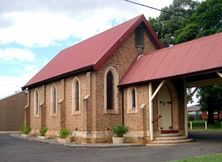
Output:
(32, 32)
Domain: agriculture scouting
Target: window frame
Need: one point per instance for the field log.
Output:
(115, 109)
(36, 105)
(110, 99)
(130, 108)
(139, 37)
(54, 100)
(133, 98)
(74, 110)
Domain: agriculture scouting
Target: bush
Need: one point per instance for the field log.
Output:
(43, 131)
(190, 118)
(120, 130)
(63, 133)
(25, 130)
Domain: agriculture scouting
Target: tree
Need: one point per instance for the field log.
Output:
(166, 24)
(206, 20)
(211, 100)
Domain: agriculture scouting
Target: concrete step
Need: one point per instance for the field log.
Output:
(170, 138)
(169, 135)
(171, 141)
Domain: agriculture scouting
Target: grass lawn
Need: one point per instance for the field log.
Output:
(200, 125)
(208, 158)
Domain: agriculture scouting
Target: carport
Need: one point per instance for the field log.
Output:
(195, 63)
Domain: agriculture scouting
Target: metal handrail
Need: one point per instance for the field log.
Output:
(154, 120)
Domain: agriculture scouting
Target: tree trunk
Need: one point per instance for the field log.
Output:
(210, 114)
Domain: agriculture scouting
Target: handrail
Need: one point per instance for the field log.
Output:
(154, 120)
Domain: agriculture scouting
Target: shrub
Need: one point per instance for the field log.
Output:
(63, 133)
(25, 130)
(190, 118)
(120, 130)
(43, 131)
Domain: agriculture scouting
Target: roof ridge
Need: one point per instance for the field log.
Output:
(185, 43)
(137, 18)
(198, 39)
(10, 95)
(93, 36)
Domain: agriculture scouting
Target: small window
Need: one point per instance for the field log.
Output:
(139, 37)
(76, 95)
(133, 99)
(110, 91)
(36, 107)
(54, 99)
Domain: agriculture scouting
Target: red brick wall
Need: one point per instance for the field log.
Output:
(91, 84)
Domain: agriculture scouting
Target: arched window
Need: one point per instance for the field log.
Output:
(54, 99)
(111, 81)
(110, 91)
(133, 99)
(36, 102)
(76, 95)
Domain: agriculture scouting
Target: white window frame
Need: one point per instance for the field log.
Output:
(74, 111)
(130, 108)
(52, 100)
(36, 105)
(116, 83)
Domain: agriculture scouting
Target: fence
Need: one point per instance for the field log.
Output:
(204, 125)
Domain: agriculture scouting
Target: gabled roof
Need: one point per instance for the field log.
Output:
(193, 108)
(91, 53)
(200, 55)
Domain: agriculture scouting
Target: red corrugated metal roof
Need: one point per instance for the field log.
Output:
(191, 57)
(92, 52)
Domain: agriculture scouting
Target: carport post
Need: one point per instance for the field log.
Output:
(151, 97)
(185, 110)
(150, 111)
(220, 74)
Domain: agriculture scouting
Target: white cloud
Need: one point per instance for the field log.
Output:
(46, 23)
(29, 68)
(18, 54)
(54, 20)
(10, 84)
(45, 28)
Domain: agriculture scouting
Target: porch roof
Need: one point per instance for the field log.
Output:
(193, 57)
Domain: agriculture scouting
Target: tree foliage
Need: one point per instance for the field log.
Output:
(211, 100)
(206, 20)
(166, 24)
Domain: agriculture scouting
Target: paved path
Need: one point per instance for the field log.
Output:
(21, 150)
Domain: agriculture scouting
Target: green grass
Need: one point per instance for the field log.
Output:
(208, 158)
(200, 125)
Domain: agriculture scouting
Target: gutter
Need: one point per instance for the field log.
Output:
(62, 76)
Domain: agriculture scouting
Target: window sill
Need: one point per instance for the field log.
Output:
(53, 115)
(132, 111)
(111, 111)
(74, 113)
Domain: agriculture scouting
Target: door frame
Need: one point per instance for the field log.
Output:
(171, 108)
